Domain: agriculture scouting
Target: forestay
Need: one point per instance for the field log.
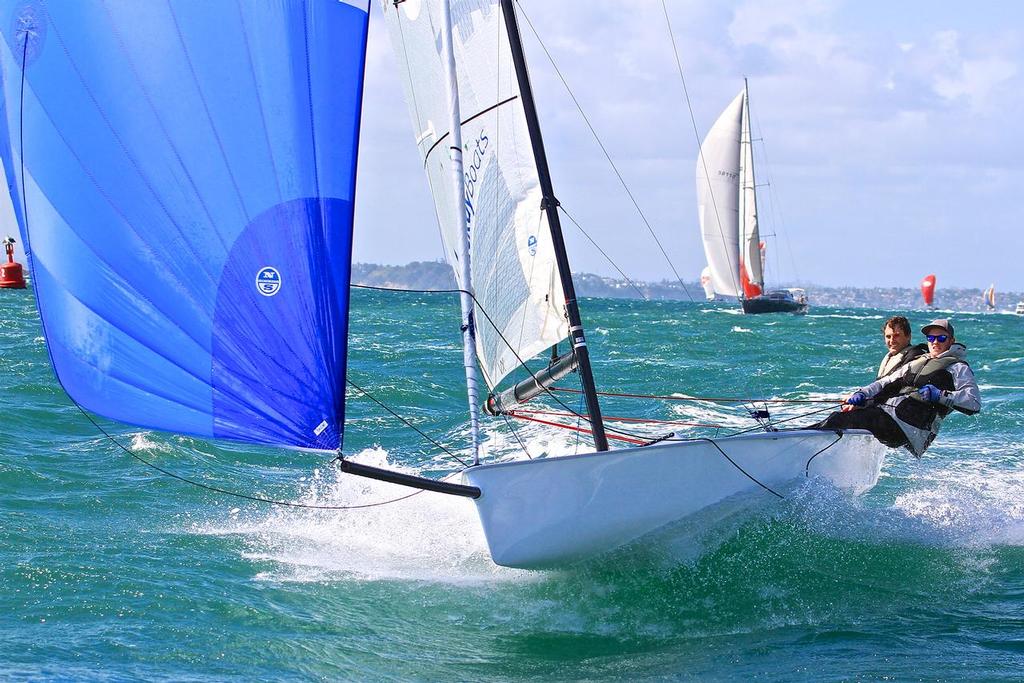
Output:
(185, 175)
(514, 274)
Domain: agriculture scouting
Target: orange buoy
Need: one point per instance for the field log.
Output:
(11, 273)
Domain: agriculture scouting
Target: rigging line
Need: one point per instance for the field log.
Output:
(490, 321)
(405, 55)
(736, 465)
(638, 439)
(760, 427)
(579, 416)
(624, 434)
(807, 467)
(830, 401)
(788, 419)
(776, 208)
(549, 390)
(404, 421)
(605, 151)
(516, 435)
(696, 135)
(641, 420)
(606, 256)
(227, 492)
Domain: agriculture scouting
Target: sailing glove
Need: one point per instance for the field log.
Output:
(859, 398)
(930, 393)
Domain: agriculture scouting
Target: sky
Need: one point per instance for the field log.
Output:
(889, 133)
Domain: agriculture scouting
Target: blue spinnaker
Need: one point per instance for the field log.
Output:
(185, 176)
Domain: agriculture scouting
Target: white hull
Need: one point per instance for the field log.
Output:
(554, 511)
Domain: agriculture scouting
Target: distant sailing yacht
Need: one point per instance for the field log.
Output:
(706, 284)
(989, 297)
(727, 210)
(928, 291)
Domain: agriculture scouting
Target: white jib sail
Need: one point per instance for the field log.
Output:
(750, 240)
(520, 303)
(718, 182)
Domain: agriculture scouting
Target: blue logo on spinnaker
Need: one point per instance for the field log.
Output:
(268, 281)
(531, 244)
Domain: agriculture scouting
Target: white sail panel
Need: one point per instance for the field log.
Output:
(750, 265)
(520, 303)
(718, 175)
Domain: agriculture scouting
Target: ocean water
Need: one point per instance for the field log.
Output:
(110, 570)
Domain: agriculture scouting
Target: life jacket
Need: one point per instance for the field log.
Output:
(916, 411)
(891, 364)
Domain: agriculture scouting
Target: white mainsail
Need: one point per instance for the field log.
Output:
(726, 203)
(514, 273)
(718, 173)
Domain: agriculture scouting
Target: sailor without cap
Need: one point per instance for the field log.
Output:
(896, 332)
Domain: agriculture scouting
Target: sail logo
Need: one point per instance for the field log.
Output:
(268, 281)
(531, 245)
(472, 164)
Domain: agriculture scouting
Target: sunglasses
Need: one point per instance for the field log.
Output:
(941, 338)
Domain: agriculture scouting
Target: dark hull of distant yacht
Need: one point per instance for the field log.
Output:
(774, 302)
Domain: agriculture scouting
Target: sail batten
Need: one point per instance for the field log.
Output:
(187, 198)
(447, 133)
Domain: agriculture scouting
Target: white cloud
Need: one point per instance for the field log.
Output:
(976, 80)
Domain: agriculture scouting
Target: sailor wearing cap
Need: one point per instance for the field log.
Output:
(907, 407)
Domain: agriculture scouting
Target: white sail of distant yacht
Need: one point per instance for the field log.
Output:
(727, 213)
(707, 284)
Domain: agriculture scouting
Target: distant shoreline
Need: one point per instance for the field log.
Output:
(438, 275)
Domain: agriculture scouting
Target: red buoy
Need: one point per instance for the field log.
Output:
(11, 273)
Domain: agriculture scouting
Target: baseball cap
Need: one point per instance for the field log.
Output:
(942, 324)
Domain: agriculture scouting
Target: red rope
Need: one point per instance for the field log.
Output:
(620, 419)
(584, 430)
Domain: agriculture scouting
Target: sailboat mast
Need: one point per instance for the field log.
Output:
(549, 204)
(458, 201)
